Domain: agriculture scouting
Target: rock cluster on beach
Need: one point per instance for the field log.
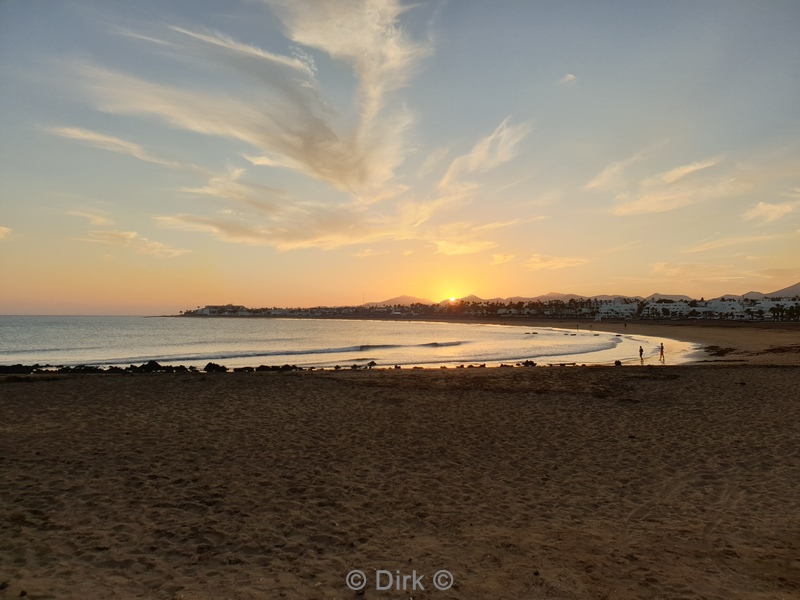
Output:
(148, 367)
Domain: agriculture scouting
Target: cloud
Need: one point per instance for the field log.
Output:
(370, 40)
(568, 79)
(728, 242)
(538, 262)
(452, 248)
(4, 232)
(677, 173)
(366, 253)
(140, 36)
(497, 148)
(433, 159)
(768, 213)
(286, 120)
(665, 191)
(230, 186)
(109, 143)
(94, 219)
(354, 148)
(499, 259)
(302, 225)
(611, 178)
(138, 243)
(664, 199)
(462, 237)
(304, 65)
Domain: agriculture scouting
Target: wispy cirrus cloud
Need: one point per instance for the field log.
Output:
(366, 253)
(94, 218)
(5, 232)
(495, 149)
(134, 241)
(669, 190)
(728, 242)
(767, 212)
(432, 160)
(612, 178)
(109, 143)
(463, 238)
(538, 262)
(231, 186)
(682, 171)
(458, 247)
(663, 199)
(378, 50)
(304, 65)
(286, 120)
(302, 225)
(501, 258)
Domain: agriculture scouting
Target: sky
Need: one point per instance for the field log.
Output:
(158, 156)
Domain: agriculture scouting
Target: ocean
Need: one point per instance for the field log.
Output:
(237, 342)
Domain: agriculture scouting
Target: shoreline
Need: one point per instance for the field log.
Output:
(720, 341)
(716, 342)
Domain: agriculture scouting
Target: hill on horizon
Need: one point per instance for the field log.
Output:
(400, 301)
(787, 292)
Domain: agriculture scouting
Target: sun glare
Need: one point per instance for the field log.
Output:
(452, 299)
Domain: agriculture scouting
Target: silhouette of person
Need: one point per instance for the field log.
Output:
(641, 354)
(661, 355)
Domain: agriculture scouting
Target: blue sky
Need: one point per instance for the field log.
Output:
(160, 155)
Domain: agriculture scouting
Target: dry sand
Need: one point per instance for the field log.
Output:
(543, 483)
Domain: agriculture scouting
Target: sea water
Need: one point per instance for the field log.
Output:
(235, 342)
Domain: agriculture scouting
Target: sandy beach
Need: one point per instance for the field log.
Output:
(554, 483)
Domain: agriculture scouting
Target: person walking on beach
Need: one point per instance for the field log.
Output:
(641, 354)
(661, 355)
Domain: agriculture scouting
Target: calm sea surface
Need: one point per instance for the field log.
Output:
(238, 342)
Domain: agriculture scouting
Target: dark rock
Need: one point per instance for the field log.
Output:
(151, 367)
(87, 369)
(215, 368)
(15, 370)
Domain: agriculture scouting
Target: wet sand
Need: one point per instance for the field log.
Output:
(734, 342)
(549, 483)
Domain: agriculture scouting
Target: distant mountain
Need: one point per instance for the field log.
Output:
(787, 292)
(400, 300)
(470, 298)
(655, 297)
(606, 297)
(752, 295)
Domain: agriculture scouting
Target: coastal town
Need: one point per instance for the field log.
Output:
(750, 307)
